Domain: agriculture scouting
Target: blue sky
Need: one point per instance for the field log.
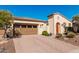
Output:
(41, 11)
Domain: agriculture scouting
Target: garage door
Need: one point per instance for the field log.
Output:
(27, 31)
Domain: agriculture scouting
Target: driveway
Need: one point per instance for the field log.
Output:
(39, 43)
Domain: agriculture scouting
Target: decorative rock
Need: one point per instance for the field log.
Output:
(75, 40)
(65, 38)
(2, 49)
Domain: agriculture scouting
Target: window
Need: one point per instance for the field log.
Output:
(41, 25)
(69, 24)
(23, 26)
(17, 26)
(34, 26)
(29, 26)
(64, 24)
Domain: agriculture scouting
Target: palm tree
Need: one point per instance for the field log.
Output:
(75, 22)
(6, 20)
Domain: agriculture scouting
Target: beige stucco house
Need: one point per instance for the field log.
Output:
(57, 22)
(30, 26)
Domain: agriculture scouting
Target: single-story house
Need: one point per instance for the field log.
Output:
(29, 26)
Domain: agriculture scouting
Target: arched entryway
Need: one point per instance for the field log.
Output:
(57, 27)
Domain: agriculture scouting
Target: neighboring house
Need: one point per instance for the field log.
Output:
(57, 23)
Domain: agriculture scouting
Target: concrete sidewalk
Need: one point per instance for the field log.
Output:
(39, 43)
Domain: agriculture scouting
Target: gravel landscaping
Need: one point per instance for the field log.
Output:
(73, 41)
(7, 46)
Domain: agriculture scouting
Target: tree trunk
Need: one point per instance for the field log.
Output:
(5, 33)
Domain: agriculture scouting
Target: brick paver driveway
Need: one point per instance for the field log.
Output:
(39, 43)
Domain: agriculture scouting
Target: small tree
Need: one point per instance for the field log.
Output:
(5, 20)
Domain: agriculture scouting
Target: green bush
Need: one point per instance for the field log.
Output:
(69, 29)
(45, 33)
(59, 35)
(71, 35)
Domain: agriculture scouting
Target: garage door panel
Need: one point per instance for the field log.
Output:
(27, 31)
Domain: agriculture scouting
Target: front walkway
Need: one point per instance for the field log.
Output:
(39, 43)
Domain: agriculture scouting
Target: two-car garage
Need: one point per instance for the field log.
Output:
(29, 26)
(27, 29)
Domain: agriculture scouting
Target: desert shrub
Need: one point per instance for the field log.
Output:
(71, 35)
(45, 33)
(59, 35)
(65, 33)
(17, 33)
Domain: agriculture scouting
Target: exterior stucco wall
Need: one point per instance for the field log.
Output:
(51, 25)
(56, 18)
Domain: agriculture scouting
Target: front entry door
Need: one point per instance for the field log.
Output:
(57, 28)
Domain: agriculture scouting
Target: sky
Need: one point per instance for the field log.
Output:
(41, 11)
